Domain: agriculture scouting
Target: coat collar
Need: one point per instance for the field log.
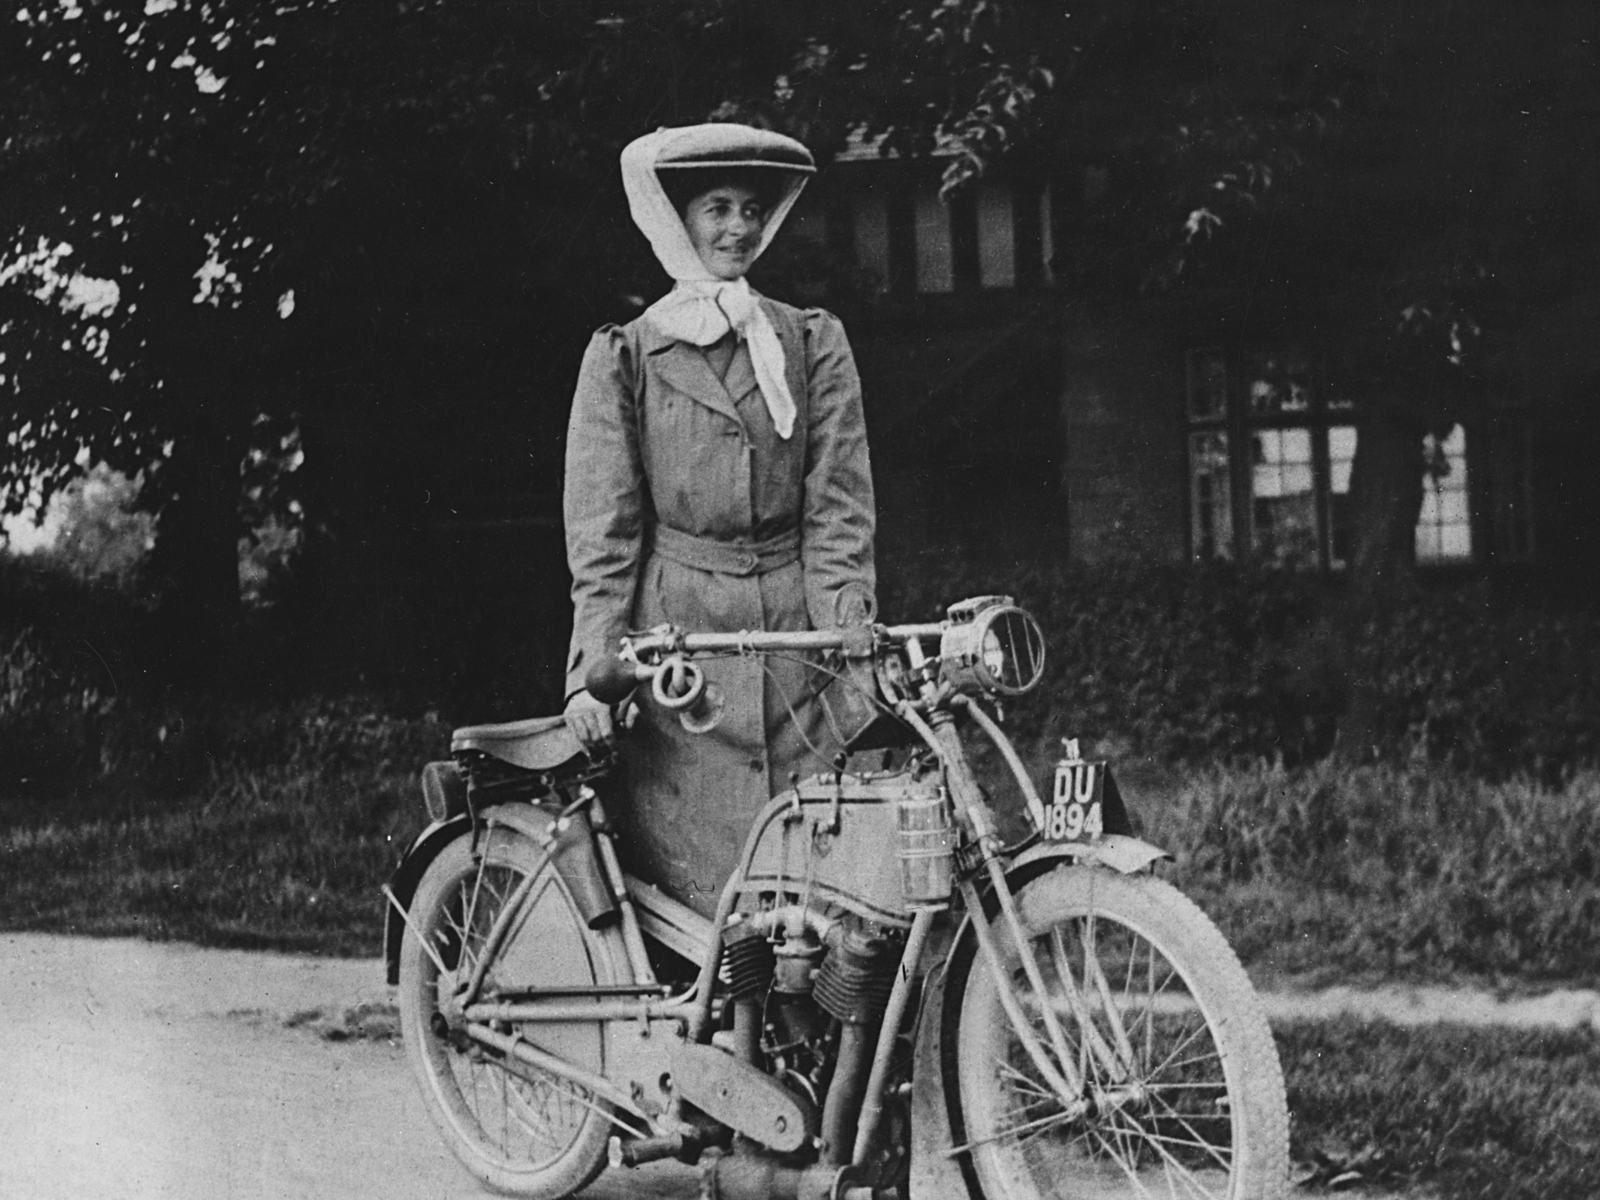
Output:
(685, 368)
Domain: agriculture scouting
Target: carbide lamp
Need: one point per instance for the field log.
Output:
(991, 645)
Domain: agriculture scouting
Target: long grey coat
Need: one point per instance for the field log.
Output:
(656, 438)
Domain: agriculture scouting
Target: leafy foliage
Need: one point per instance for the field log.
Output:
(1237, 664)
(100, 533)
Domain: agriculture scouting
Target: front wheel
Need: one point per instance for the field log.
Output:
(518, 1130)
(1179, 1089)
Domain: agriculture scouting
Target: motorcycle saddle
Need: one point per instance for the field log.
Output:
(537, 744)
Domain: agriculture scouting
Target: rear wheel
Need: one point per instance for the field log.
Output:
(1181, 1090)
(517, 1129)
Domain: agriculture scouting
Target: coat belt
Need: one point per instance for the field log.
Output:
(727, 558)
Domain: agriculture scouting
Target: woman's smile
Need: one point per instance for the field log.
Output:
(725, 226)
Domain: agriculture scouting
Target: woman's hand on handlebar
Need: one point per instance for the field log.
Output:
(590, 721)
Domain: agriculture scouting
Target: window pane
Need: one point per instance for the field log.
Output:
(1279, 383)
(1210, 505)
(1341, 458)
(997, 247)
(1283, 506)
(871, 212)
(935, 264)
(1444, 524)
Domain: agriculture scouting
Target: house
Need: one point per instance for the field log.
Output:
(1151, 428)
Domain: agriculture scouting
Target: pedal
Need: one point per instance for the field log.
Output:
(742, 1097)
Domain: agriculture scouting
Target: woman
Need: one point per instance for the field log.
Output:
(716, 478)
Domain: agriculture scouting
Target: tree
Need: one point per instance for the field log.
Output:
(100, 533)
(362, 223)
(384, 230)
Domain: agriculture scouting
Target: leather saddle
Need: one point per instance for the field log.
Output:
(537, 744)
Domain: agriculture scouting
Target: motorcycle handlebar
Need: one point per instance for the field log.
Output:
(612, 680)
(764, 641)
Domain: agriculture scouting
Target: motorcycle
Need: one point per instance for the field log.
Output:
(890, 1002)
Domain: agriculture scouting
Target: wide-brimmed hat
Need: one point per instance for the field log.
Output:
(728, 145)
(690, 147)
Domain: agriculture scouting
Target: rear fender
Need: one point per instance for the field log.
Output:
(403, 883)
(576, 862)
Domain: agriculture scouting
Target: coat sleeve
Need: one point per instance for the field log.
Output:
(603, 502)
(840, 515)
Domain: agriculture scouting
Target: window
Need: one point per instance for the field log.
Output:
(1210, 497)
(996, 236)
(1271, 442)
(1444, 526)
(1283, 496)
(935, 261)
(1268, 444)
(871, 228)
(1511, 489)
(997, 249)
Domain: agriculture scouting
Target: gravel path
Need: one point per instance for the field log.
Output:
(154, 1071)
(138, 1069)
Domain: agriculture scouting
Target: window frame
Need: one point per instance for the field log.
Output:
(1238, 421)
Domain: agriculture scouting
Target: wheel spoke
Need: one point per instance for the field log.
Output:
(1092, 1040)
(1224, 1161)
(1173, 1165)
(1015, 1131)
(1122, 1162)
(1166, 1064)
(1173, 1105)
(508, 1122)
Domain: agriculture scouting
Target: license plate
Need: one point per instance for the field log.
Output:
(1076, 808)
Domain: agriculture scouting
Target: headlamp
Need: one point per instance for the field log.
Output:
(991, 645)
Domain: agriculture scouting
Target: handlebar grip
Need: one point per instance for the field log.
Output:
(611, 681)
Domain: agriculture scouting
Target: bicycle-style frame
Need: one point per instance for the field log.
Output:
(664, 659)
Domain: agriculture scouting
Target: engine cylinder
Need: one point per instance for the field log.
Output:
(747, 962)
(795, 962)
(854, 981)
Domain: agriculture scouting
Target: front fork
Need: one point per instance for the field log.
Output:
(1053, 1056)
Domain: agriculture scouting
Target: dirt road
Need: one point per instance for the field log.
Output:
(133, 1070)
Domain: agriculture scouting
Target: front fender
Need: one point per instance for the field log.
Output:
(424, 849)
(1123, 854)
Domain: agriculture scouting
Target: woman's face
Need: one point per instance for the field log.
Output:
(725, 227)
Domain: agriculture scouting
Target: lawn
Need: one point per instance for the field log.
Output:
(1471, 1113)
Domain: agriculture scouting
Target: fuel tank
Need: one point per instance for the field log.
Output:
(841, 842)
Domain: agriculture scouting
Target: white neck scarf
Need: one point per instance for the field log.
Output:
(701, 309)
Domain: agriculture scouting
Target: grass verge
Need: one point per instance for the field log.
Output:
(298, 815)
(1397, 873)
(1467, 1113)
(295, 824)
